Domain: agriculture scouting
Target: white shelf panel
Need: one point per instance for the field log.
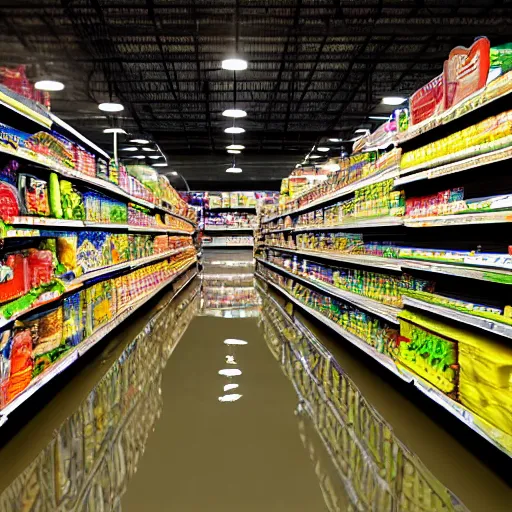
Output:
(460, 220)
(464, 318)
(389, 313)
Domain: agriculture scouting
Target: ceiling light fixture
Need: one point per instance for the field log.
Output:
(234, 151)
(234, 170)
(234, 64)
(234, 129)
(362, 130)
(148, 149)
(155, 157)
(379, 118)
(49, 85)
(111, 107)
(313, 157)
(235, 146)
(234, 112)
(323, 149)
(115, 130)
(139, 141)
(174, 173)
(132, 148)
(393, 100)
(139, 157)
(160, 165)
(335, 140)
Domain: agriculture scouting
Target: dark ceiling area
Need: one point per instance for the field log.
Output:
(317, 68)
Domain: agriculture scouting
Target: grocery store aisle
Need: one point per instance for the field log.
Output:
(219, 401)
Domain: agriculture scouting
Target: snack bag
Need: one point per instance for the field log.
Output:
(72, 321)
(34, 193)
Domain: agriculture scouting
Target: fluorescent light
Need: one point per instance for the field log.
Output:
(111, 107)
(362, 130)
(174, 173)
(133, 148)
(230, 372)
(230, 398)
(393, 100)
(139, 157)
(233, 341)
(49, 85)
(229, 387)
(234, 151)
(140, 141)
(234, 64)
(155, 157)
(322, 149)
(379, 118)
(234, 129)
(148, 149)
(234, 112)
(313, 157)
(160, 165)
(234, 170)
(335, 140)
(235, 146)
(114, 130)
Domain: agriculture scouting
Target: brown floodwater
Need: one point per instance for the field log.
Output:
(219, 401)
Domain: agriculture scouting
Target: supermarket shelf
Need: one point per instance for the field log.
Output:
(452, 168)
(86, 345)
(100, 184)
(454, 408)
(384, 360)
(465, 318)
(490, 274)
(349, 189)
(461, 219)
(222, 228)
(389, 313)
(218, 246)
(38, 114)
(231, 209)
(48, 222)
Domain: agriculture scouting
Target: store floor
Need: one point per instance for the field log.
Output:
(154, 422)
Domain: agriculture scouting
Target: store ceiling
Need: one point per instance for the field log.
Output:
(317, 68)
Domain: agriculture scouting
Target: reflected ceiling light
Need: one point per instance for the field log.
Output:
(234, 64)
(160, 165)
(230, 398)
(148, 149)
(335, 140)
(235, 146)
(115, 130)
(139, 141)
(313, 157)
(234, 170)
(230, 360)
(49, 85)
(234, 112)
(234, 129)
(323, 149)
(154, 157)
(228, 387)
(230, 372)
(111, 107)
(393, 100)
(133, 148)
(233, 341)
(174, 173)
(332, 167)
(234, 151)
(379, 118)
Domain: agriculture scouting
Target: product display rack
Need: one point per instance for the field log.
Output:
(440, 214)
(59, 266)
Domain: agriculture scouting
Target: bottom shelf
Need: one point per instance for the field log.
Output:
(87, 344)
(466, 416)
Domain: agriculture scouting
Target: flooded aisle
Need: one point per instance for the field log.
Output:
(219, 400)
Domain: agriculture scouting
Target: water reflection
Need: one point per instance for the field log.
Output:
(95, 452)
(344, 435)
